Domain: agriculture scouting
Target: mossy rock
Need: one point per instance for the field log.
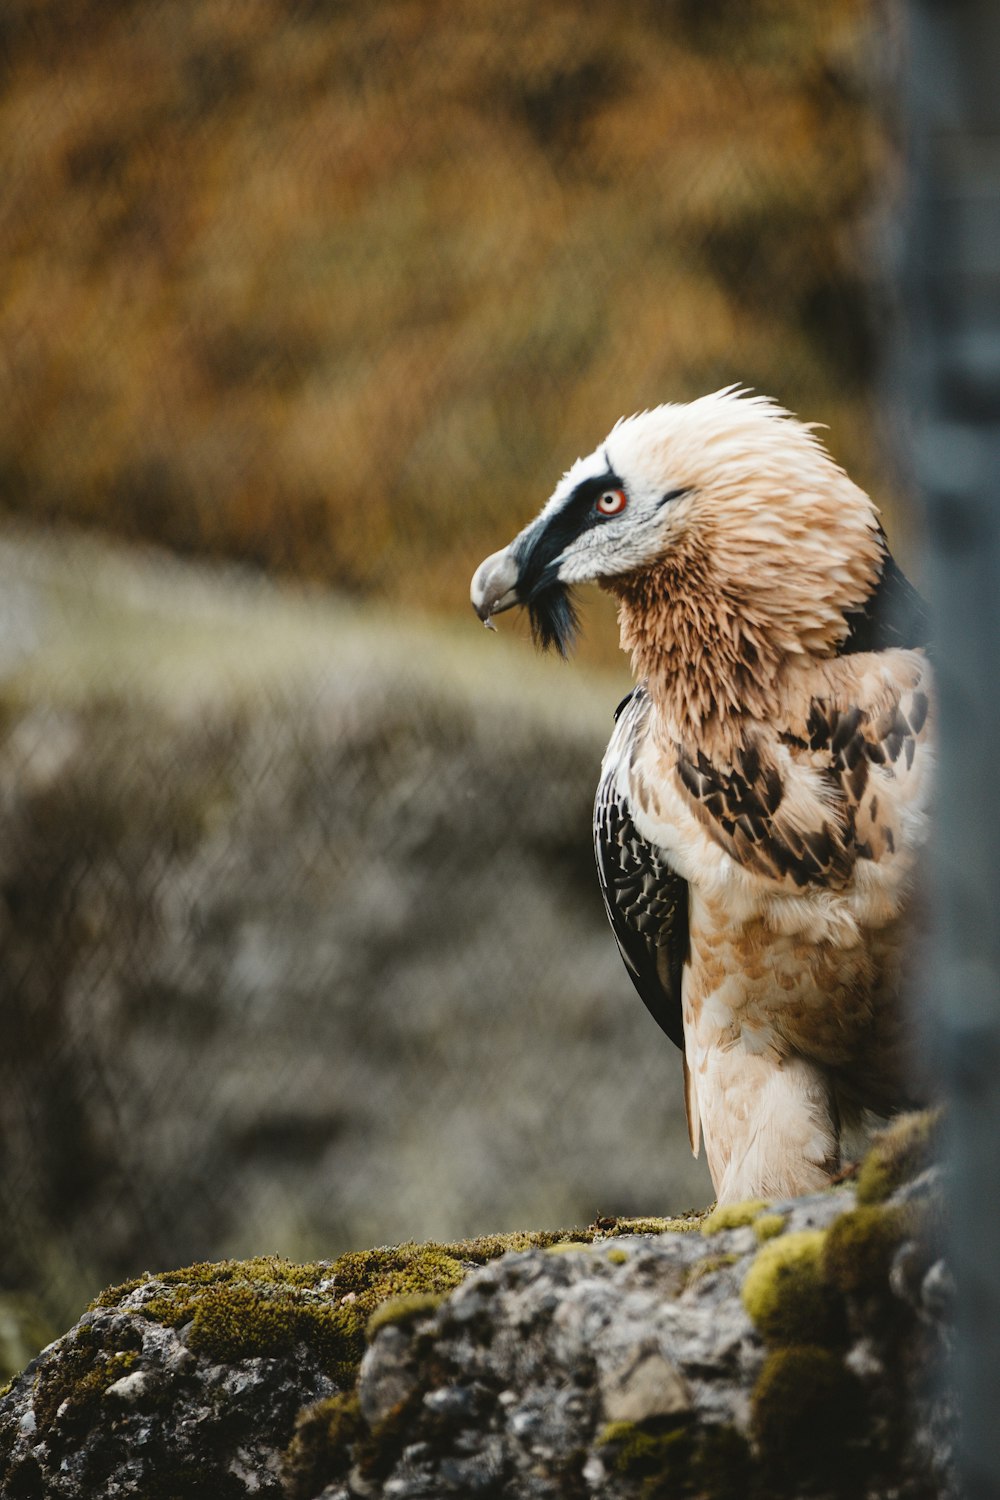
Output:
(669, 1460)
(860, 1245)
(399, 1312)
(898, 1154)
(75, 1387)
(786, 1295)
(807, 1410)
(262, 1310)
(263, 1307)
(733, 1215)
(320, 1450)
(767, 1226)
(646, 1450)
(615, 1227)
(242, 1321)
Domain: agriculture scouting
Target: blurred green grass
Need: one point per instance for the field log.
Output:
(341, 289)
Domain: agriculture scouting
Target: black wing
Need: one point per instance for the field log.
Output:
(647, 905)
(893, 614)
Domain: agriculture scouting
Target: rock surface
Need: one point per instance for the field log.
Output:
(781, 1349)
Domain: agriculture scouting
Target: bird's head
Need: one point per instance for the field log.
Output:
(721, 525)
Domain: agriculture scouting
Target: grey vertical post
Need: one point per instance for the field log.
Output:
(952, 376)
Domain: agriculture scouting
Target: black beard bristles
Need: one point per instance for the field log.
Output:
(554, 620)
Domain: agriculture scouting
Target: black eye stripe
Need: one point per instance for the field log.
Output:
(543, 545)
(589, 491)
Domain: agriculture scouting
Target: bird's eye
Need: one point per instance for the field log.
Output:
(611, 503)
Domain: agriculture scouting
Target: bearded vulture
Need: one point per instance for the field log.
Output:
(764, 798)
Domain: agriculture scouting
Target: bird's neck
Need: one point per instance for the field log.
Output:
(710, 663)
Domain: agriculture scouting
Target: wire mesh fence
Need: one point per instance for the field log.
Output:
(301, 944)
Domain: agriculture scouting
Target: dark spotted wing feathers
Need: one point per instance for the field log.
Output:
(647, 904)
(746, 807)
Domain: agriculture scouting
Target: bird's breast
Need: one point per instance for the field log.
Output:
(812, 988)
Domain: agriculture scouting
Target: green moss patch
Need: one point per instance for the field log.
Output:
(860, 1245)
(733, 1215)
(244, 1321)
(806, 1411)
(264, 1306)
(374, 1276)
(320, 1450)
(401, 1311)
(721, 1467)
(786, 1295)
(683, 1224)
(711, 1462)
(73, 1387)
(898, 1154)
(185, 1283)
(768, 1225)
(645, 1450)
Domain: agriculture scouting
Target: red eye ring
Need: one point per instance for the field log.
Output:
(611, 503)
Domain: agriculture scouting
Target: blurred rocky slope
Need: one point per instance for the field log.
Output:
(302, 947)
(333, 287)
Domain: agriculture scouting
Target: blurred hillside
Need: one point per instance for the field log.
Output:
(341, 289)
(301, 946)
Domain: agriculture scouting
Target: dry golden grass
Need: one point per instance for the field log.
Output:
(342, 289)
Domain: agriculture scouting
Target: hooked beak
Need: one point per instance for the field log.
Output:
(494, 586)
(520, 574)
